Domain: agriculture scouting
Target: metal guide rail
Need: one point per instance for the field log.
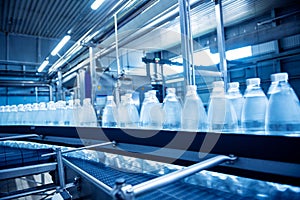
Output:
(265, 157)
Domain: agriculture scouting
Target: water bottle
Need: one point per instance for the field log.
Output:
(236, 98)
(193, 113)
(41, 114)
(283, 112)
(77, 112)
(70, 119)
(51, 114)
(28, 120)
(2, 113)
(11, 118)
(21, 114)
(109, 117)
(151, 112)
(221, 114)
(122, 114)
(172, 110)
(255, 106)
(34, 113)
(60, 113)
(131, 113)
(89, 114)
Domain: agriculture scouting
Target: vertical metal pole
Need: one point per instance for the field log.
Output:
(36, 94)
(92, 73)
(82, 84)
(117, 86)
(186, 41)
(50, 93)
(221, 40)
(59, 85)
(60, 168)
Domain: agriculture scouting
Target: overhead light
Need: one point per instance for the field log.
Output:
(96, 4)
(43, 65)
(60, 45)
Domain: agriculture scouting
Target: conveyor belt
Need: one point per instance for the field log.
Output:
(11, 157)
(178, 190)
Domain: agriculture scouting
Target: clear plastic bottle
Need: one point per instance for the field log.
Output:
(172, 110)
(2, 113)
(89, 115)
(255, 106)
(194, 116)
(221, 114)
(6, 114)
(42, 114)
(28, 120)
(77, 112)
(151, 112)
(21, 114)
(132, 114)
(283, 113)
(69, 117)
(51, 114)
(34, 113)
(11, 118)
(122, 114)
(60, 113)
(236, 98)
(109, 118)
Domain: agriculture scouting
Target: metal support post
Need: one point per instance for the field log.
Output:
(221, 41)
(186, 41)
(60, 168)
(81, 83)
(92, 73)
(59, 85)
(117, 86)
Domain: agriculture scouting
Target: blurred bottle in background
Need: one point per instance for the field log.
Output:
(109, 118)
(255, 106)
(171, 110)
(221, 114)
(283, 113)
(236, 98)
(194, 117)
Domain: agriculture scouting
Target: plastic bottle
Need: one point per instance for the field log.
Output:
(89, 114)
(221, 114)
(60, 113)
(236, 98)
(51, 114)
(42, 114)
(122, 112)
(11, 118)
(194, 116)
(2, 113)
(69, 117)
(172, 110)
(151, 112)
(109, 118)
(77, 112)
(21, 114)
(28, 120)
(255, 106)
(129, 113)
(283, 112)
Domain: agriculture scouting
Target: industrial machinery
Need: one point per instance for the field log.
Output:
(122, 167)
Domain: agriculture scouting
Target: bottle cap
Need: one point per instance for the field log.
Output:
(110, 98)
(218, 84)
(191, 87)
(171, 90)
(253, 81)
(279, 77)
(234, 85)
(87, 101)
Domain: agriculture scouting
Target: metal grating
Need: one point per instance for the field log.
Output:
(174, 191)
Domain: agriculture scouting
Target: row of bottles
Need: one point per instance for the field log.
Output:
(60, 113)
(278, 111)
(227, 112)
